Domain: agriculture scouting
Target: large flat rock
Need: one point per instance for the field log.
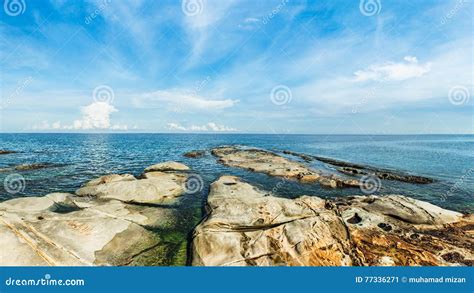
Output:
(154, 188)
(247, 226)
(263, 161)
(112, 220)
(81, 237)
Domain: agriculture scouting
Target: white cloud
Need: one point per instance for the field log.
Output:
(211, 126)
(175, 126)
(249, 23)
(390, 71)
(94, 116)
(179, 100)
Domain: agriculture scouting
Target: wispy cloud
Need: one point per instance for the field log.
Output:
(394, 71)
(180, 100)
(209, 127)
(336, 62)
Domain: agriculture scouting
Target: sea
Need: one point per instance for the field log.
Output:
(77, 158)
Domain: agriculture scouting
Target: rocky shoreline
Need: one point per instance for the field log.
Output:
(119, 219)
(249, 227)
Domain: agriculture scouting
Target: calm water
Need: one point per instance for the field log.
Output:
(447, 158)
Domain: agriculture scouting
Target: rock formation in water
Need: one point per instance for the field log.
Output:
(29, 167)
(257, 160)
(359, 169)
(114, 219)
(249, 227)
(195, 154)
(6, 152)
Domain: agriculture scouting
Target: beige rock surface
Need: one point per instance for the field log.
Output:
(75, 238)
(262, 161)
(100, 225)
(110, 178)
(247, 226)
(155, 188)
(167, 166)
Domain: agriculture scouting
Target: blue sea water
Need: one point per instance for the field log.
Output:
(80, 157)
(446, 158)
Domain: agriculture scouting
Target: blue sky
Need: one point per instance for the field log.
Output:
(369, 67)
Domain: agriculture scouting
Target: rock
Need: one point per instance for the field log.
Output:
(406, 209)
(306, 158)
(274, 165)
(246, 226)
(156, 189)
(358, 169)
(167, 166)
(110, 178)
(28, 167)
(6, 152)
(309, 178)
(195, 154)
(51, 202)
(102, 232)
(78, 238)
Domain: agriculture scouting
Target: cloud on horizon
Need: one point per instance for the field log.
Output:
(209, 127)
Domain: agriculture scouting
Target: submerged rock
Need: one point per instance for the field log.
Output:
(358, 169)
(6, 152)
(274, 165)
(28, 167)
(195, 154)
(246, 226)
(167, 166)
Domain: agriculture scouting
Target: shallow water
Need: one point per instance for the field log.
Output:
(81, 157)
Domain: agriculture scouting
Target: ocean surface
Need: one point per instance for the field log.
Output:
(449, 159)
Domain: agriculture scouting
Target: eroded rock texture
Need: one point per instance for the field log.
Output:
(247, 226)
(257, 160)
(100, 225)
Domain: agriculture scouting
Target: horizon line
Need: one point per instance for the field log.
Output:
(243, 133)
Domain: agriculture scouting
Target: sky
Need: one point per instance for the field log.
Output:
(312, 67)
